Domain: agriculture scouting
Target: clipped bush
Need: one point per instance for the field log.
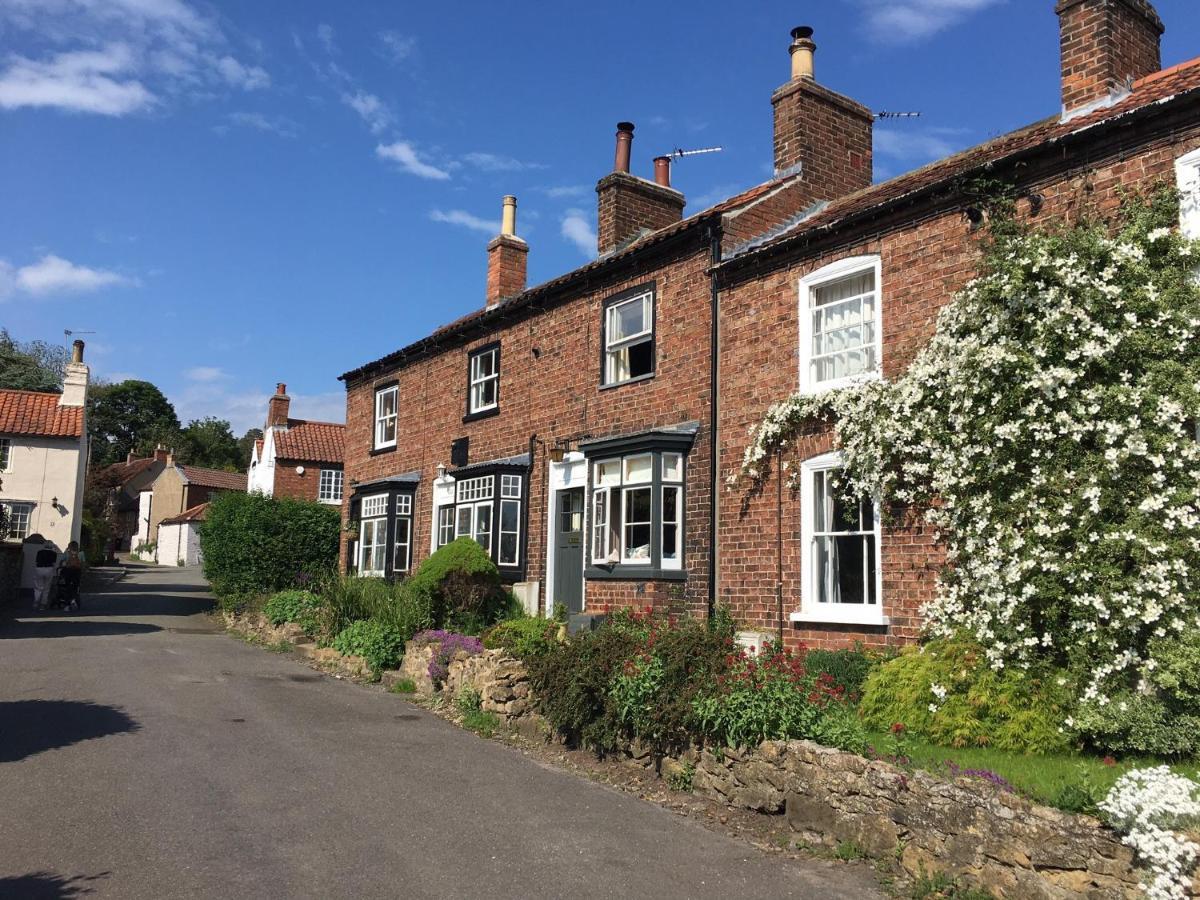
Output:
(253, 543)
(946, 691)
(522, 638)
(301, 607)
(379, 644)
(847, 668)
(461, 586)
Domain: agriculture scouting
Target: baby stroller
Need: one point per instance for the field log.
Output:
(66, 591)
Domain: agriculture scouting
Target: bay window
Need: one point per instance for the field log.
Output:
(628, 330)
(402, 556)
(840, 558)
(372, 538)
(384, 511)
(841, 321)
(637, 513)
(386, 415)
(488, 509)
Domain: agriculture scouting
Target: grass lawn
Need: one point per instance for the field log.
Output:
(1068, 781)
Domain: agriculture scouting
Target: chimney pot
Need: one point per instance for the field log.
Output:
(662, 170)
(77, 351)
(624, 146)
(801, 50)
(280, 388)
(507, 257)
(508, 219)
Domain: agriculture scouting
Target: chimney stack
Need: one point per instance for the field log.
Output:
(629, 206)
(819, 133)
(75, 379)
(160, 454)
(508, 257)
(1105, 46)
(277, 407)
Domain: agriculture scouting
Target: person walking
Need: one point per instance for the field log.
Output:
(43, 575)
(71, 571)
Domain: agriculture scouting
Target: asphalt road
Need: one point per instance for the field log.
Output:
(145, 754)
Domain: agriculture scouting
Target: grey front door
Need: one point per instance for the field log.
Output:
(568, 550)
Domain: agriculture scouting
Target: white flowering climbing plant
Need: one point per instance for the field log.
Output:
(1153, 809)
(1048, 432)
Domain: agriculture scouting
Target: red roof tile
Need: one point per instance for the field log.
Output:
(126, 471)
(214, 478)
(311, 441)
(29, 412)
(195, 514)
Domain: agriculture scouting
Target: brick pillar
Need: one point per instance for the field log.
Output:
(508, 257)
(1105, 45)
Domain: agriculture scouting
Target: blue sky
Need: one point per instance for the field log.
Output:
(231, 194)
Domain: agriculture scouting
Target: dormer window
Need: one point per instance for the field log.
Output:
(840, 324)
(483, 381)
(386, 414)
(629, 336)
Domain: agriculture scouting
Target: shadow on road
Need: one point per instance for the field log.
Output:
(48, 886)
(29, 727)
(19, 629)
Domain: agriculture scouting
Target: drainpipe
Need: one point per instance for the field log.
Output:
(714, 408)
(779, 539)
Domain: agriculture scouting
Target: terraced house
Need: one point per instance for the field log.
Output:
(581, 430)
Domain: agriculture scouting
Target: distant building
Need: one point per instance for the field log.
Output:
(125, 482)
(297, 457)
(179, 538)
(177, 490)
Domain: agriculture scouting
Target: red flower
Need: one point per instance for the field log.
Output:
(898, 728)
(1109, 761)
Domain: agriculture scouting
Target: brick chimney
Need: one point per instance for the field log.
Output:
(1105, 45)
(508, 257)
(277, 407)
(161, 454)
(75, 379)
(818, 132)
(629, 205)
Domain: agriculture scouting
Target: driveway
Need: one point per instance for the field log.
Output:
(146, 754)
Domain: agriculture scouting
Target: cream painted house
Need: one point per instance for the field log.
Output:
(43, 459)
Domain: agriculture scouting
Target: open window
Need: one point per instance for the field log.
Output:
(628, 330)
(841, 324)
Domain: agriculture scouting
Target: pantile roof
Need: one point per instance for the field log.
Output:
(214, 478)
(195, 514)
(34, 413)
(313, 441)
(126, 471)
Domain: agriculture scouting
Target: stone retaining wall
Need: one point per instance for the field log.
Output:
(326, 658)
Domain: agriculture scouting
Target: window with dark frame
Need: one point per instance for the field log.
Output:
(483, 380)
(5, 453)
(628, 330)
(637, 510)
(402, 559)
(488, 509)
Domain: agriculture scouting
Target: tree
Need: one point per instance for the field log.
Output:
(31, 365)
(130, 415)
(210, 442)
(246, 445)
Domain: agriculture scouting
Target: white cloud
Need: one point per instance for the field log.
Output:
(577, 228)
(372, 110)
(325, 36)
(88, 81)
(565, 190)
(916, 145)
(403, 154)
(465, 219)
(117, 57)
(492, 162)
(205, 374)
(280, 125)
(903, 21)
(54, 275)
(247, 409)
(397, 47)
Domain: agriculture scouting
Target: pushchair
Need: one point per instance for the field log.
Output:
(65, 592)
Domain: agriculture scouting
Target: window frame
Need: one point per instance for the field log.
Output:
(482, 412)
(833, 613)
(378, 516)
(28, 506)
(808, 285)
(388, 503)
(6, 455)
(647, 291)
(508, 488)
(339, 483)
(1187, 180)
(609, 536)
(380, 392)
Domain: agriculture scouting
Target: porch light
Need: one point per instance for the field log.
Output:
(557, 453)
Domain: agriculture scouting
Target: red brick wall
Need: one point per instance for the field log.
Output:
(627, 204)
(1104, 44)
(826, 133)
(550, 387)
(507, 260)
(924, 262)
(300, 487)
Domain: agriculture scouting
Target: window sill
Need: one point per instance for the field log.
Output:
(834, 617)
(337, 502)
(617, 384)
(378, 450)
(824, 387)
(633, 573)
(482, 414)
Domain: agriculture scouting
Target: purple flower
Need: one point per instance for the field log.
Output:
(448, 645)
(984, 774)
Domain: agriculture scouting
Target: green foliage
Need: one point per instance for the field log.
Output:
(93, 537)
(847, 668)
(1081, 794)
(379, 644)
(522, 638)
(941, 886)
(1010, 709)
(484, 724)
(841, 727)
(403, 686)
(130, 415)
(255, 543)
(848, 851)
(1139, 723)
(681, 779)
(468, 701)
(461, 586)
(346, 599)
(32, 365)
(301, 607)
(209, 442)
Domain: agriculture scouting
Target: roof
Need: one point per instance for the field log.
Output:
(127, 471)
(521, 460)
(1151, 91)
(406, 478)
(484, 318)
(195, 514)
(214, 478)
(35, 413)
(313, 441)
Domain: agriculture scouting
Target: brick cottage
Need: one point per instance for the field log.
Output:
(297, 458)
(569, 427)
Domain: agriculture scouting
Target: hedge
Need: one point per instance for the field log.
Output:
(256, 544)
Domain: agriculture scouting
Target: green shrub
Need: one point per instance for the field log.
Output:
(461, 587)
(346, 599)
(522, 638)
(253, 543)
(847, 668)
(300, 607)
(379, 644)
(841, 727)
(1010, 709)
(404, 686)
(1133, 723)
